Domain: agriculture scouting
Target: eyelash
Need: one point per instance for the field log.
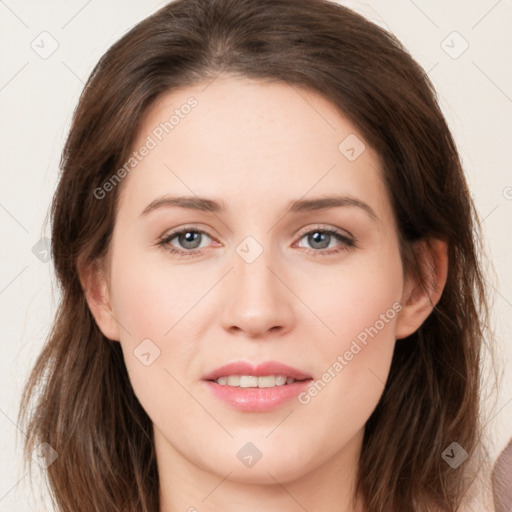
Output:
(349, 243)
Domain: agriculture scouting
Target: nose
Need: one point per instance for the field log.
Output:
(258, 301)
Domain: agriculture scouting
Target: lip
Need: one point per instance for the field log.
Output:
(257, 399)
(258, 370)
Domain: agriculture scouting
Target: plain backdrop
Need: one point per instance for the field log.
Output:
(48, 50)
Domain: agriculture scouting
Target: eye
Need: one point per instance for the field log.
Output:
(188, 238)
(319, 238)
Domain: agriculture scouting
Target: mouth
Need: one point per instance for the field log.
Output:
(256, 388)
(254, 381)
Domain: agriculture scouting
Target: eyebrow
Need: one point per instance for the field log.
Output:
(297, 206)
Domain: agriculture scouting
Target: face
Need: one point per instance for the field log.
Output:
(254, 279)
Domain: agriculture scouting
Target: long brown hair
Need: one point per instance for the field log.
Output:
(79, 399)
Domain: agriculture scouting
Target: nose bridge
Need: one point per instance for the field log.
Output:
(258, 299)
(252, 267)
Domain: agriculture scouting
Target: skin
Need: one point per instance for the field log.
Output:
(256, 146)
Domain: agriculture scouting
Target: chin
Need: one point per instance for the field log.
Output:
(263, 465)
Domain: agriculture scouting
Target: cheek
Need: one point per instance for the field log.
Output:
(162, 300)
(360, 309)
(359, 303)
(151, 305)
(150, 297)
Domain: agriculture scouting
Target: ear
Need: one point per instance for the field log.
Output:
(95, 285)
(419, 300)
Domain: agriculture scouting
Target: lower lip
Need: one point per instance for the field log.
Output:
(257, 399)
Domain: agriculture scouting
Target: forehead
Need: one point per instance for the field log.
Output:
(249, 143)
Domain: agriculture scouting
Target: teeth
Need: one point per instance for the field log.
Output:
(251, 381)
(268, 381)
(233, 380)
(248, 382)
(280, 380)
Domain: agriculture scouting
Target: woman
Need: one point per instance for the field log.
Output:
(254, 368)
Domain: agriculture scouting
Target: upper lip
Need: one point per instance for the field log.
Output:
(258, 370)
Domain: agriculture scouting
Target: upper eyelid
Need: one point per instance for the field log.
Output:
(326, 227)
(305, 230)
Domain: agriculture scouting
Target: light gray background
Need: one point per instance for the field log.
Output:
(38, 95)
